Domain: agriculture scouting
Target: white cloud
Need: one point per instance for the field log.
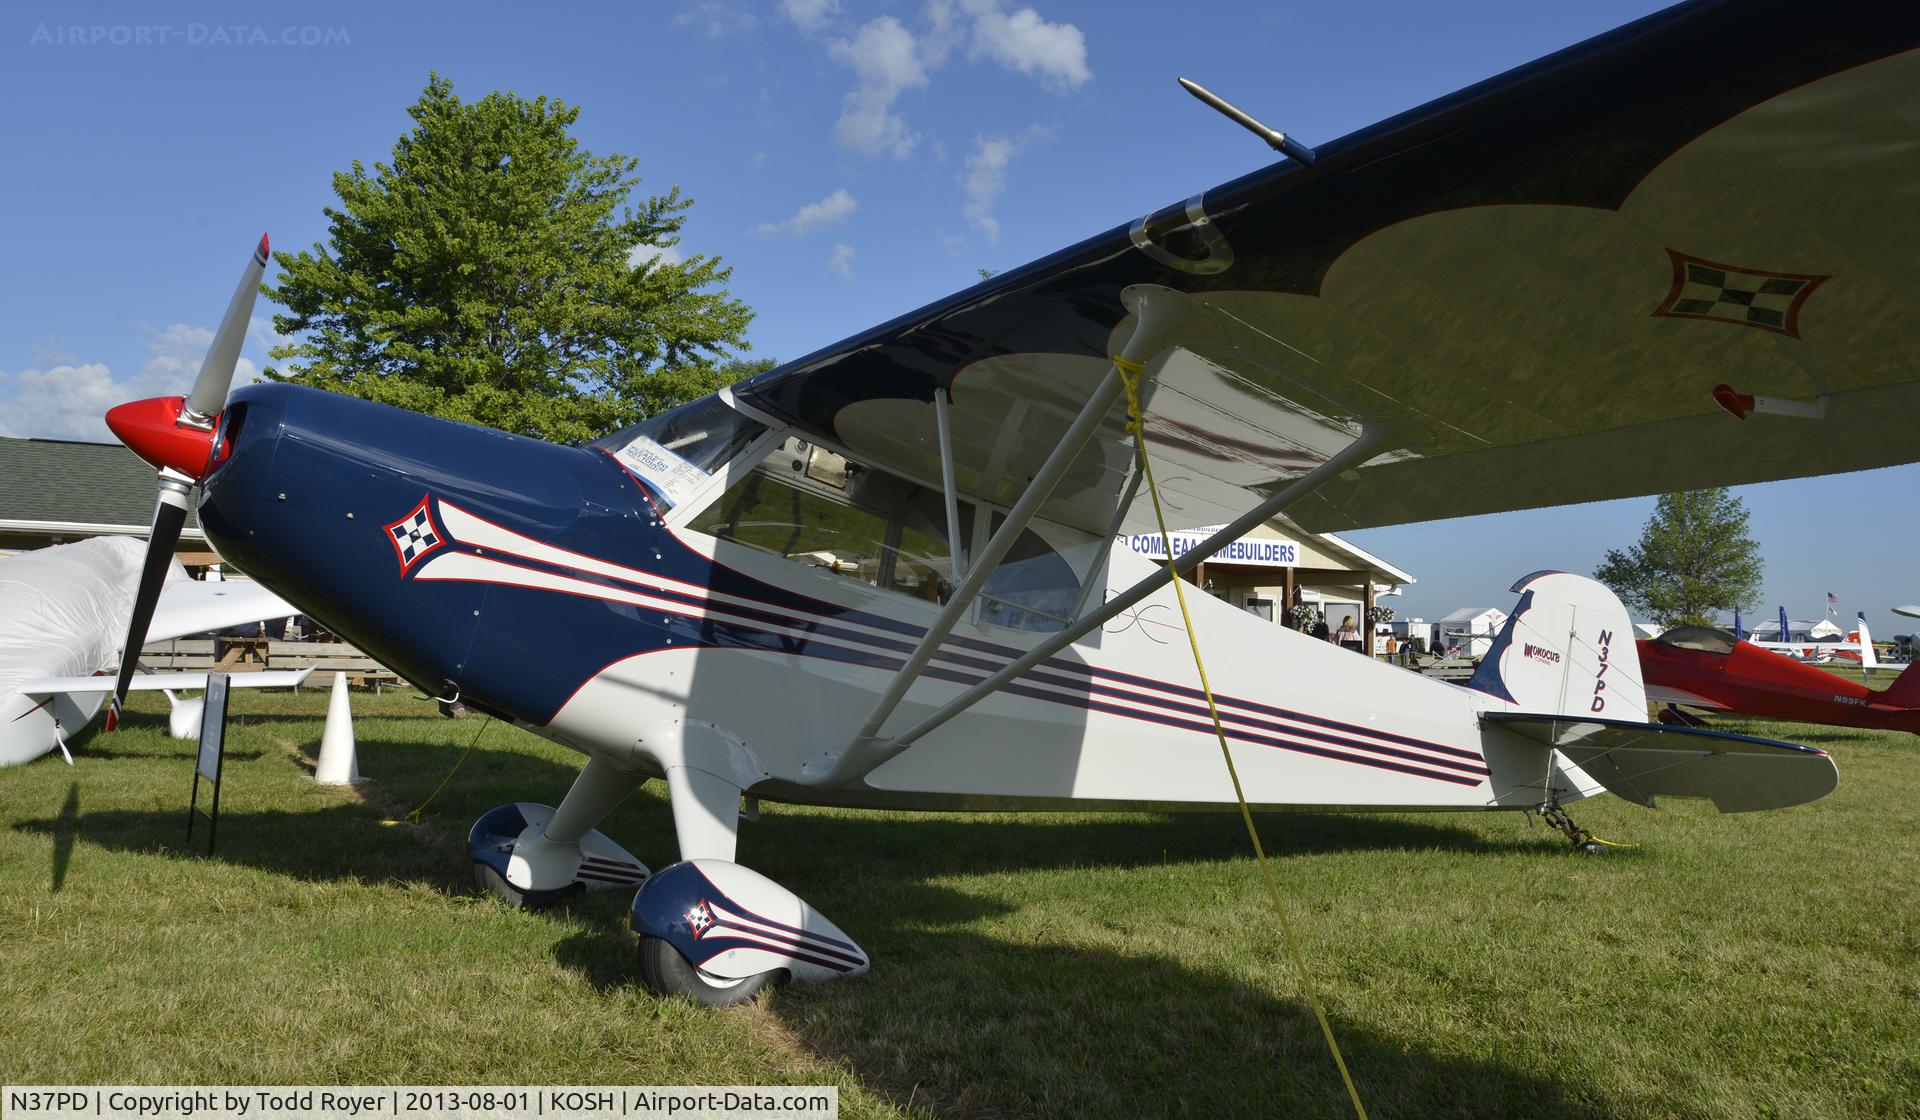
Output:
(887, 59)
(985, 179)
(718, 19)
(647, 254)
(829, 211)
(69, 401)
(1023, 41)
(810, 15)
(65, 402)
(841, 262)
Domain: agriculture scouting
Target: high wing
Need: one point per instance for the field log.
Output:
(1551, 287)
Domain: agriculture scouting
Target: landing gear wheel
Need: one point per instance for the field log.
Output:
(490, 881)
(665, 971)
(1583, 841)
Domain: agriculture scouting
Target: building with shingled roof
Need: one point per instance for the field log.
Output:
(55, 491)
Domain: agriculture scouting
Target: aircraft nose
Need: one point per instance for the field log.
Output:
(335, 503)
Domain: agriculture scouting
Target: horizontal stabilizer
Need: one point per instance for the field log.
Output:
(155, 682)
(1640, 761)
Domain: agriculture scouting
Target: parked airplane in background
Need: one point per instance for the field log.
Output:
(63, 612)
(883, 575)
(1855, 646)
(1702, 667)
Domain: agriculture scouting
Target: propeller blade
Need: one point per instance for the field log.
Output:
(169, 515)
(209, 394)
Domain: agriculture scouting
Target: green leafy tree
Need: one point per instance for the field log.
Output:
(1695, 557)
(496, 272)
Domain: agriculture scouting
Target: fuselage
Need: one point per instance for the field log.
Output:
(555, 587)
(1756, 681)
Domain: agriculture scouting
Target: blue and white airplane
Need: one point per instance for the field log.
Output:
(883, 575)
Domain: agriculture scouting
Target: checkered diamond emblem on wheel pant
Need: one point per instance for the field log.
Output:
(414, 535)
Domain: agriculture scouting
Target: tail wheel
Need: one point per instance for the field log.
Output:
(665, 971)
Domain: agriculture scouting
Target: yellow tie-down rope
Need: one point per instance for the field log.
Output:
(1130, 372)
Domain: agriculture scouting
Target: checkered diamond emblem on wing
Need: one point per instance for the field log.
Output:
(1747, 297)
(414, 535)
(700, 918)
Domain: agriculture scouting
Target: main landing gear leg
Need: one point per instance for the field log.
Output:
(711, 930)
(532, 855)
(1583, 841)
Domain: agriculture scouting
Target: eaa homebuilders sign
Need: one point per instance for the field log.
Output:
(1261, 551)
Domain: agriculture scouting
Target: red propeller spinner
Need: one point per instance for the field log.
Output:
(152, 429)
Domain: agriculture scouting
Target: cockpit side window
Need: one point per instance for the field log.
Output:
(815, 507)
(1034, 587)
(679, 450)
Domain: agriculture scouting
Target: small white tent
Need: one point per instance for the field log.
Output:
(1470, 629)
(1798, 630)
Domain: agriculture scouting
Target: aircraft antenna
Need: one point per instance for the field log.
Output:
(1277, 140)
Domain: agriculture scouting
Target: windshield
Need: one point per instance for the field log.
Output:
(678, 450)
(1706, 639)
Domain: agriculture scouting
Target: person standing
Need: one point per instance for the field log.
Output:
(1349, 635)
(1320, 630)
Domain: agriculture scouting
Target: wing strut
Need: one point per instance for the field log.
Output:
(1372, 441)
(1161, 314)
(946, 481)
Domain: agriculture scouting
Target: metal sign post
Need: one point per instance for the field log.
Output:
(213, 745)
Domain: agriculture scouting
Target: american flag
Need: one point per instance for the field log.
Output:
(1833, 601)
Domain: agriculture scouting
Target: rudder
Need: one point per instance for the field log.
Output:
(1567, 649)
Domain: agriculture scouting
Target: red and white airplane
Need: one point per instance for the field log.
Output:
(1703, 667)
(883, 575)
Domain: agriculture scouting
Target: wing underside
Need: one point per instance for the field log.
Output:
(1536, 285)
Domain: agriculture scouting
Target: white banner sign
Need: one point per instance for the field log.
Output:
(1263, 552)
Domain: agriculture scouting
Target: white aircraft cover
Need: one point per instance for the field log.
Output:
(63, 610)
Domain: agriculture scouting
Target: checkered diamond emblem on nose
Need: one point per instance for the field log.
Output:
(414, 535)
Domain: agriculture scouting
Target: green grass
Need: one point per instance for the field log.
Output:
(1105, 965)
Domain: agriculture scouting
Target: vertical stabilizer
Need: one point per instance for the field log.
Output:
(1567, 649)
(1905, 690)
(1869, 661)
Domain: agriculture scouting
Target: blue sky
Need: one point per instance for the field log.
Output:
(850, 159)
